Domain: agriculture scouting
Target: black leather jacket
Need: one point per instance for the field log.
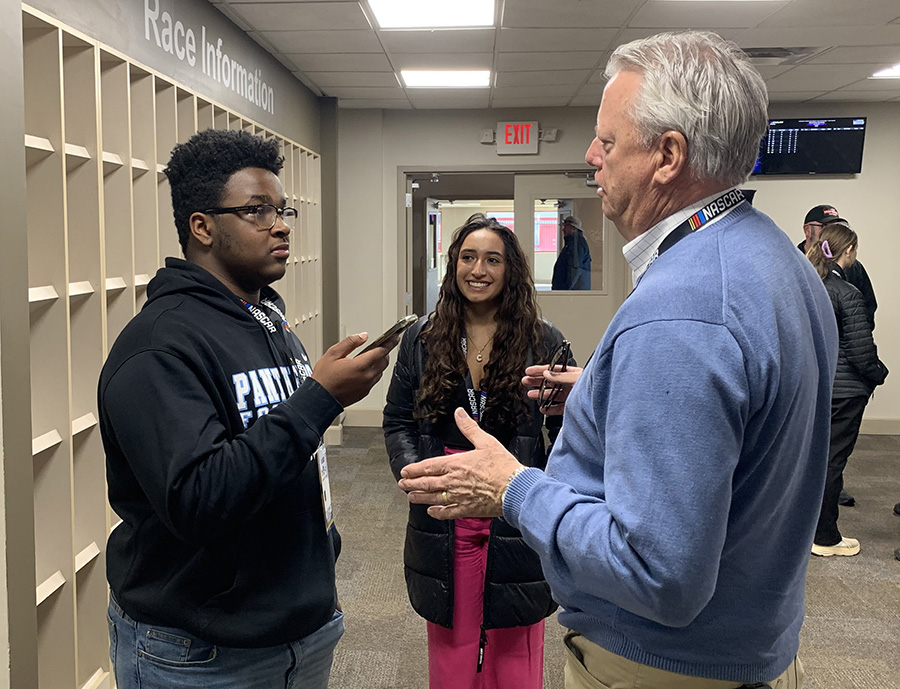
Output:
(859, 370)
(515, 592)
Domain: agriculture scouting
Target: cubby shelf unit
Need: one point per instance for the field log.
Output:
(99, 227)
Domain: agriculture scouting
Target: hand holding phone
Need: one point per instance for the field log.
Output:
(396, 329)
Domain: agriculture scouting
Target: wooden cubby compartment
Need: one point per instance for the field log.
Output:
(99, 132)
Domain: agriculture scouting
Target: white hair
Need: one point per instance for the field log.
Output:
(699, 84)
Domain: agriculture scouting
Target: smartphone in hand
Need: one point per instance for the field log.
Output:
(396, 329)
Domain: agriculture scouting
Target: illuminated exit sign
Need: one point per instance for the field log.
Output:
(516, 138)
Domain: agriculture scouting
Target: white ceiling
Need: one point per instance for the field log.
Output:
(552, 52)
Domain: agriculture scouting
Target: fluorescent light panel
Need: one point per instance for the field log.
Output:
(889, 73)
(473, 78)
(432, 14)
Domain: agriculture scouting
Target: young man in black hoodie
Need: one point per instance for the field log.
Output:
(222, 570)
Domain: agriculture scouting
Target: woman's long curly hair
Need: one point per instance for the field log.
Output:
(520, 331)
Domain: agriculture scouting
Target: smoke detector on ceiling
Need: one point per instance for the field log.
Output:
(781, 56)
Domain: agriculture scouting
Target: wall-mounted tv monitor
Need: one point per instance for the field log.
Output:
(832, 145)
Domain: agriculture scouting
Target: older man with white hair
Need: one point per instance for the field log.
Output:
(675, 517)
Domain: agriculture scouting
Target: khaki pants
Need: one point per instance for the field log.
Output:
(588, 666)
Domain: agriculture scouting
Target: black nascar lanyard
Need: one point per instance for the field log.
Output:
(476, 406)
(271, 329)
(727, 201)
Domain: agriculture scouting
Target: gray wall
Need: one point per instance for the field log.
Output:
(376, 145)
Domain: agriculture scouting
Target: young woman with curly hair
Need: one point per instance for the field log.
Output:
(475, 581)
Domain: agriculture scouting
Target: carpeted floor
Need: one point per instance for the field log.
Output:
(850, 639)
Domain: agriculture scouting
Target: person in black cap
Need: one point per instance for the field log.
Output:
(572, 269)
(857, 276)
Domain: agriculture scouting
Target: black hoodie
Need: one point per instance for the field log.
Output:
(210, 421)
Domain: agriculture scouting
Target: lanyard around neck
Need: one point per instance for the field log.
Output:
(476, 400)
(727, 201)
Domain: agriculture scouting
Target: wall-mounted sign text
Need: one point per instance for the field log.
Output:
(171, 36)
(516, 138)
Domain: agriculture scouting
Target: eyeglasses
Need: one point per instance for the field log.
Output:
(265, 215)
(559, 360)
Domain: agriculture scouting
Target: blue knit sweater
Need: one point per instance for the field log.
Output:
(675, 518)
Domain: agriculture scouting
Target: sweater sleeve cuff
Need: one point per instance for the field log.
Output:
(319, 407)
(515, 494)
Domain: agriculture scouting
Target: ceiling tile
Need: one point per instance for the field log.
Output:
(448, 95)
(365, 92)
(301, 16)
(456, 104)
(566, 13)
(373, 104)
(533, 102)
(442, 60)
(372, 79)
(793, 96)
(854, 35)
(886, 55)
(703, 15)
(857, 96)
(873, 85)
(449, 41)
(803, 13)
(567, 76)
(821, 77)
(534, 40)
(558, 91)
(324, 41)
(523, 62)
(359, 62)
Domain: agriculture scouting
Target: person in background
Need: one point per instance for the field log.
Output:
(856, 275)
(221, 572)
(859, 371)
(475, 581)
(685, 484)
(572, 269)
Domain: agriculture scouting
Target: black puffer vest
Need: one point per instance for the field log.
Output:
(515, 592)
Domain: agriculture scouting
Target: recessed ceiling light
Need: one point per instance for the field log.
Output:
(422, 79)
(889, 73)
(432, 14)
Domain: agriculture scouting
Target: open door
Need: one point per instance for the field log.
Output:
(433, 255)
(542, 202)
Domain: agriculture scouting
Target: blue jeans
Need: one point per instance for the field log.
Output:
(146, 656)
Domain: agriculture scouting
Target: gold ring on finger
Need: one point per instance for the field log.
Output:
(445, 497)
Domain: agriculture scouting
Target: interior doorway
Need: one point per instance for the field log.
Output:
(534, 206)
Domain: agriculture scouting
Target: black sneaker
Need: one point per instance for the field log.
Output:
(897, 554)
(846, 500)
(897, 510)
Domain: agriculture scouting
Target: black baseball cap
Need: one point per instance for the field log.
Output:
(823, 214)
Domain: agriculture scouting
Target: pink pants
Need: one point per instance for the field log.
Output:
(513, 657)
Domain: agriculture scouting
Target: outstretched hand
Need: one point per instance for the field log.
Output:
(468, 484)
(535, 375)
(350, 379)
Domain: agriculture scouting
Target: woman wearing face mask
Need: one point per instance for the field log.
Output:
(475, 581)
(859, 371)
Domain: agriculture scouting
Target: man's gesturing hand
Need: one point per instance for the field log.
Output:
(468, 484)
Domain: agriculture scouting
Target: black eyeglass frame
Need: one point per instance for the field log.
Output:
(560, 357)
(255, 208)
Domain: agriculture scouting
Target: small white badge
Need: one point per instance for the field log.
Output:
(327, 507)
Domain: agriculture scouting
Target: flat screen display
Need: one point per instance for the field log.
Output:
(832, 145)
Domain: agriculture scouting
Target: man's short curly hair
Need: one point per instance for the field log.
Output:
(199, 169)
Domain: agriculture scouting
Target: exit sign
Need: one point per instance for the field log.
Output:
(517, 138)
